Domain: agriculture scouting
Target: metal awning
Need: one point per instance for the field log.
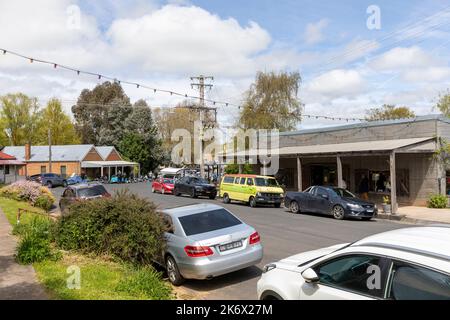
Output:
(12, 163)
(376, 146)
(106, 164)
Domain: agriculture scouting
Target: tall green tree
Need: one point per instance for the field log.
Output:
(19, 118)
(62, 129)
(272, 102)
(443, 104)
(389, 112)
(94, 112)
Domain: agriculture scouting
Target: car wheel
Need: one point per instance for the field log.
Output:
(49, 184)
(338, 212)
(226, 198)
(294, 207)
(176, 193)
(163, 191)
(193, 194)
(65, 184)
(252, 202)
(173, 273)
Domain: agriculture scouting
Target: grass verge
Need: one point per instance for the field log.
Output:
(101, 278)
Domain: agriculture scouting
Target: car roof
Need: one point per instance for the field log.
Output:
(191, 209)
(242, 175)
(84, 185)
(427, 240)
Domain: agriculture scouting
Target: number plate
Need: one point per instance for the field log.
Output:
(369, 210)
(230, 246)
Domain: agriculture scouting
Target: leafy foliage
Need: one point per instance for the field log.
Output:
(29, 191)
(125, 226)
(18, 115)
(234, 169)
(34, 245)
(438, 201)
(389, 112)
(272, 103)
(444, 103)
(62, 129)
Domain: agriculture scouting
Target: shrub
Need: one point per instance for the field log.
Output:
(438, 201)
(34, 245)
(144, 281)
(125, 226)
(29, 191)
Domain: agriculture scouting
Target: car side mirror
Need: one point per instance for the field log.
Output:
(310, 276)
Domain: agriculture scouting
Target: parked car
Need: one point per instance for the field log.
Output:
(163, 185)
(195, 187)
(81, 192)
(49, 179)
(252, 189)
(338, 202)
(206, 241)
(75, 179)
(404, 264)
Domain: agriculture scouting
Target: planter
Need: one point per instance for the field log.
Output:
(386, 208)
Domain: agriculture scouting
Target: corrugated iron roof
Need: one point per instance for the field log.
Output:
(59, 153)
(363, 146)
(105, 151)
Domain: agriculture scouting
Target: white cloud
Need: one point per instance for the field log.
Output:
(337, 83)
(401, 58)
(314, 31)
(431, 74)
(188, 39)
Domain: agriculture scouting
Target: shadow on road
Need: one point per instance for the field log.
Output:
(225, 280)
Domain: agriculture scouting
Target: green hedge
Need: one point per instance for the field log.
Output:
(438, 201)
(125, 226)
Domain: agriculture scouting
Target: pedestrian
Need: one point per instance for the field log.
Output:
(364, 188)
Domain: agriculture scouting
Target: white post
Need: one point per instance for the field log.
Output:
(299, 175)
(339, 171)
(394, 204)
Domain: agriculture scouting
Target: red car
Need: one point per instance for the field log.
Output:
(163, 185)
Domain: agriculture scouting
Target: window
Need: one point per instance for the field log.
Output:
(242, 180)
(68, 193)
(321, 192)
(6, 169)
(228, 180)
(93, 191)
(43, 169)
(63, 171)
(351, 273)
(250, 182)
(266, 182)
(343, 193)
(409, 282)
(208, 221)
(236, 180)
(168, 223)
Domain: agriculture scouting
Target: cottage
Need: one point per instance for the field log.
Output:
(9, 168)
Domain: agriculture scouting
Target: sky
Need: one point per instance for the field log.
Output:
(352, 55)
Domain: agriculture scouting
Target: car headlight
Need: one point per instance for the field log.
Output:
(269, 267)
(354, 206)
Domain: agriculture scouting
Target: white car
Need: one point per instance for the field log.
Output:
(404, 264)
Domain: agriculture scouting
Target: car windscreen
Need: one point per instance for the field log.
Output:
(343, 193)
(208, 221)
(266, 182)
(168, 181)
(198, 181)
(91, 191)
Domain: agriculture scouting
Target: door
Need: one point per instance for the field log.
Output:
(243, 190)
(348, 277)
(320, 201)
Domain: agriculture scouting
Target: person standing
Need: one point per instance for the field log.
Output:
(364, 188)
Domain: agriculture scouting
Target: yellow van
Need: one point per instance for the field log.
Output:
(252, 189)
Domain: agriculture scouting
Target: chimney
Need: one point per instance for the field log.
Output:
(27, 151)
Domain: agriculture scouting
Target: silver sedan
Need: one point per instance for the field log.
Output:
(206, 241)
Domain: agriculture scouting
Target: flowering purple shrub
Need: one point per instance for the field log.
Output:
(29, 191)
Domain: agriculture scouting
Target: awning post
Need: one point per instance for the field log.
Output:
(339, 172)
(299, 174)
(393, 181)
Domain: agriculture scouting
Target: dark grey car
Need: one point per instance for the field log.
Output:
(49, 179)
(338, 202)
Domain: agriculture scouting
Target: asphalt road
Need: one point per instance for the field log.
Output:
(282, 234)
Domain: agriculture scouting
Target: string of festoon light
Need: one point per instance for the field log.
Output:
(99, 76)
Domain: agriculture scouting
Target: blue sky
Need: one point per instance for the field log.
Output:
(346, 68)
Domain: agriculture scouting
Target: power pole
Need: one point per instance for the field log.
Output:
(49, 150)
(201, 86)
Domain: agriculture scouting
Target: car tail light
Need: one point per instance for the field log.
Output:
(196, 252)
(255, 238)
